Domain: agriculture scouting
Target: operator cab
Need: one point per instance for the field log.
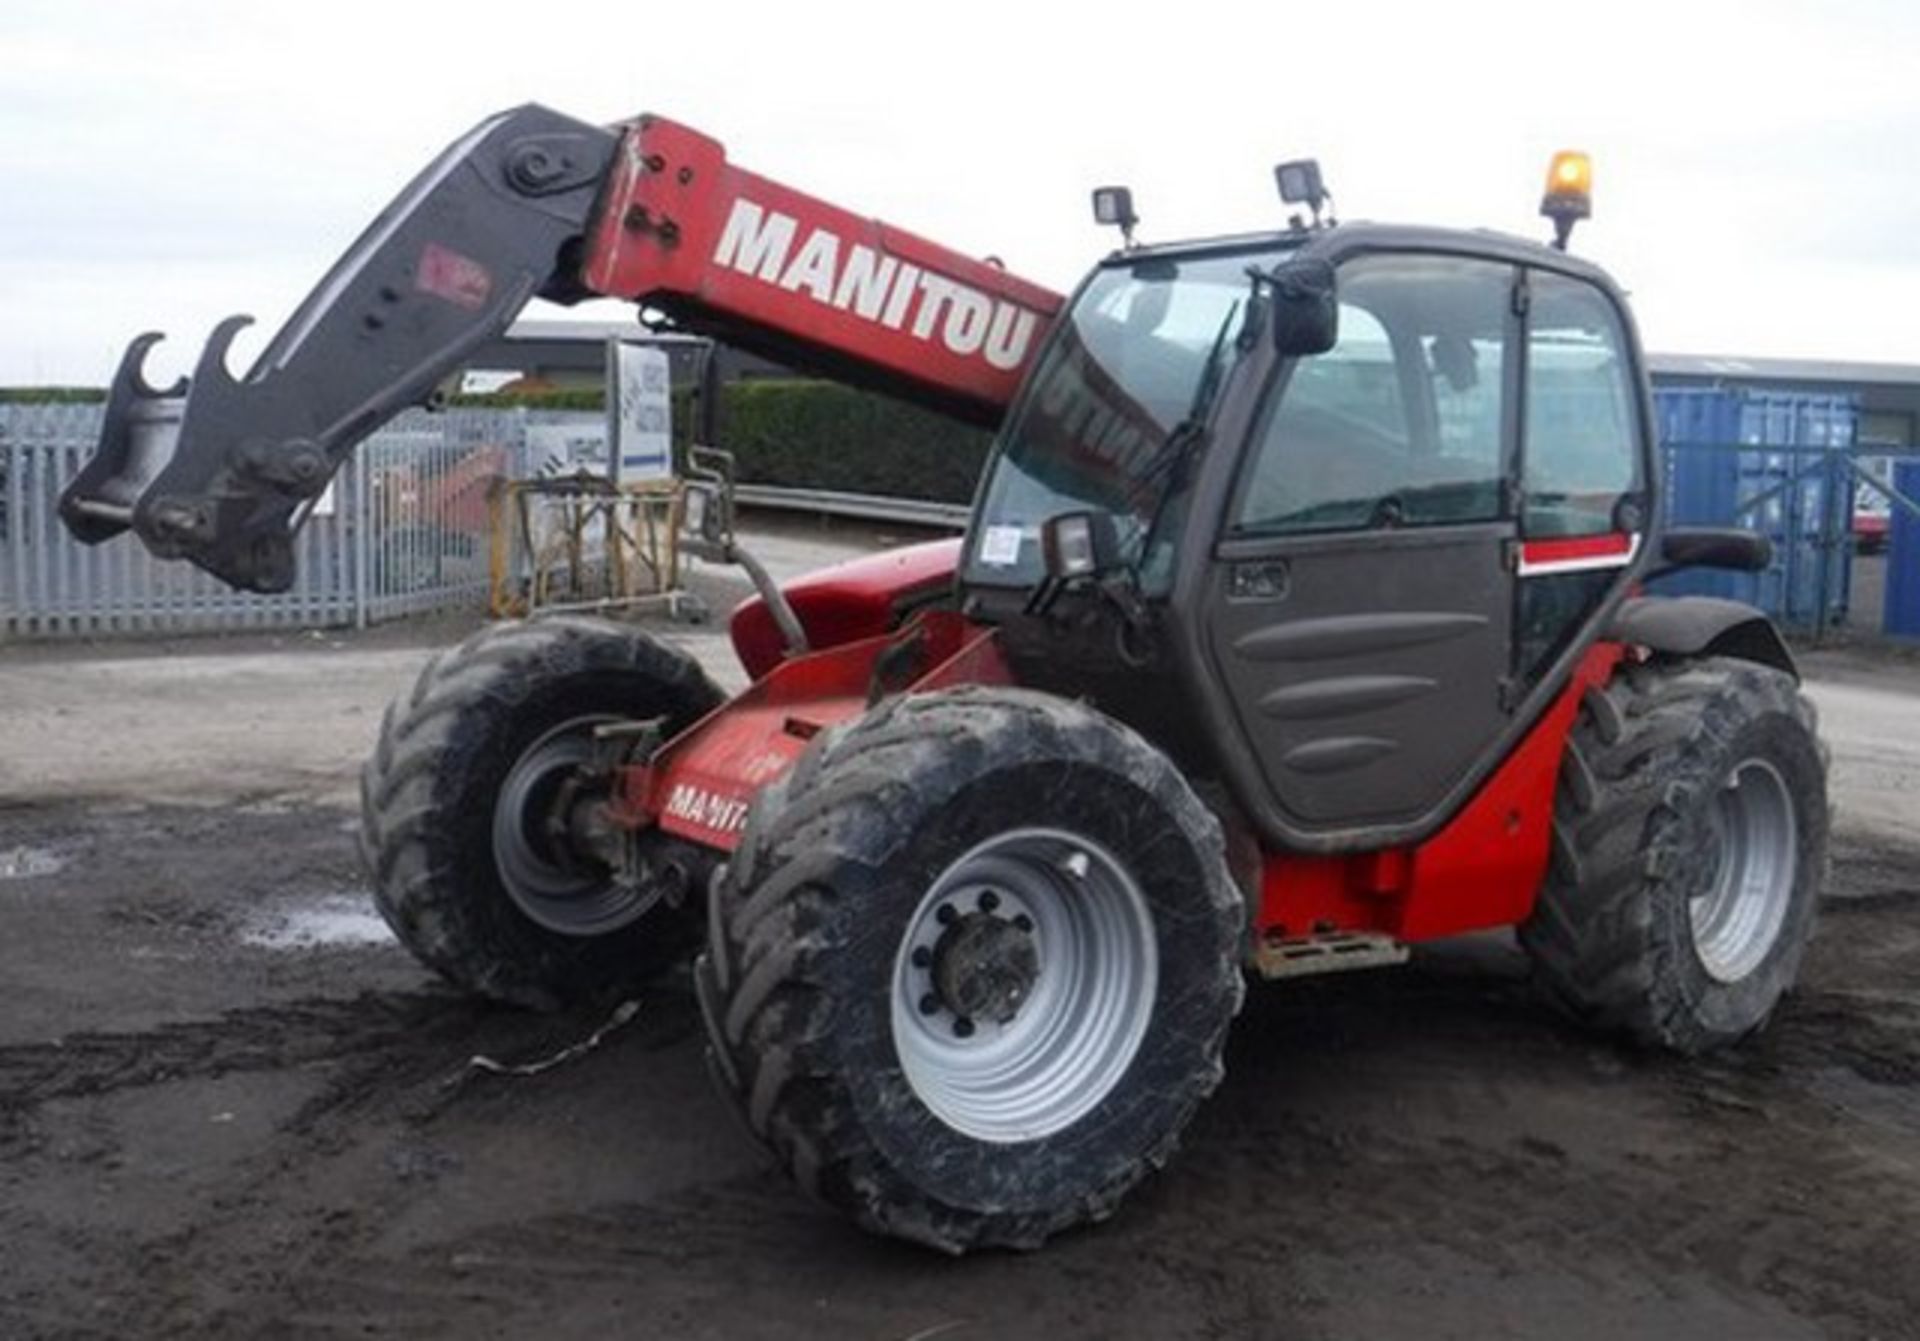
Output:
(1362, 492)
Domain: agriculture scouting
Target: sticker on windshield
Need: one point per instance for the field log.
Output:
(1000, 547)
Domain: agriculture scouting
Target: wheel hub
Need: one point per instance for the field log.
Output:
(1024, 985)
(985, 966)
(550, 859)
(1753, 861)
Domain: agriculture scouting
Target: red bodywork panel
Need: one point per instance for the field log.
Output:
(684, 230)
(860, 598)
(1575, 554)
(701, 782)
(1482, 870)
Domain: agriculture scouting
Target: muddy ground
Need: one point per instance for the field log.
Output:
(229, 1106)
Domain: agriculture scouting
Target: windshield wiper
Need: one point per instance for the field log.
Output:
(1186, 434)
(1122, 588)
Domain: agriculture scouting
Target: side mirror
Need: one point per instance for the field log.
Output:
(1306, 310)
(1079, 544)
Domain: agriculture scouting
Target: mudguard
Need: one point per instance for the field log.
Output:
(1691, 626)
(861, 598)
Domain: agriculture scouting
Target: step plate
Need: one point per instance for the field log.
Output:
(1297, 958)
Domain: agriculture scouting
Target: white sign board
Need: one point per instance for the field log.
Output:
(567, 449)
(482, 381)
(642, 412)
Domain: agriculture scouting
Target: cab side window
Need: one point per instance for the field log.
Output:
(1335, 445)
(1580, 456)
(1582, 434)
(1401, 422)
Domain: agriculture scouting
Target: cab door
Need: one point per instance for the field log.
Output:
(1361, 593)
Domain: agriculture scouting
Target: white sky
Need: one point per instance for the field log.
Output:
(1757, 165)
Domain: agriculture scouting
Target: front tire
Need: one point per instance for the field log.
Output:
(971, 970)
(456, 797)
(1690, 841)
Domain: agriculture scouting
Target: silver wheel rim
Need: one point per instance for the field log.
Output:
(1042, 900)
(1756, 850)
(552, 886)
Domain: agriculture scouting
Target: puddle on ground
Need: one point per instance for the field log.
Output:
(322, 923)
(23, 863)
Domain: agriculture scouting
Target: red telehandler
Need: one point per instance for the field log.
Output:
(1300, 620)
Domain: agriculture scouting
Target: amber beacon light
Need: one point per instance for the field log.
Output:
(1569, 197)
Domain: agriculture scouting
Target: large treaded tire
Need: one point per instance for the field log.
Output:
(808, 923)
(428, 798)
(1611, 937)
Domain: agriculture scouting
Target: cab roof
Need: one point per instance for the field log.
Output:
(1338, 241)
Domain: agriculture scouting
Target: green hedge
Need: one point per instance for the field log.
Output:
(820, 435)
(52, 395)
(574, 398)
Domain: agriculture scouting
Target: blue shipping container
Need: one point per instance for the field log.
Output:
(1765, 460)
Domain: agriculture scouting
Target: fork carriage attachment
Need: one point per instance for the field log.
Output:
(221, 471)
(530, 203)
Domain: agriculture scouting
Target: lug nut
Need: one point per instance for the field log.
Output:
(929, 1004)
(988, 901)
(1023, 922)
(922, 957)
(946, 915)
(963, 1027)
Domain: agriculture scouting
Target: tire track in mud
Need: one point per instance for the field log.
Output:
(345, 1041)
(372, 1028)
(390, 1066)
(92, 1065)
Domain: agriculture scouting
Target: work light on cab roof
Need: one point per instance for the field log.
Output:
(1113, 206)
(1300, 183)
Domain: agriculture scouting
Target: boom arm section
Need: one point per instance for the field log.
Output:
(764, 267)
(222, 471)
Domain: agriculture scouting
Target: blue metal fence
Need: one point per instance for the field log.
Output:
(403, 530)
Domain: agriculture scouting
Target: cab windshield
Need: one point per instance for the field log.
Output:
(1111, 410)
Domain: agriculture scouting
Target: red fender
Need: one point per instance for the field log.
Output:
(861, 598)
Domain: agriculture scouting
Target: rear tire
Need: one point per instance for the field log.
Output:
(1690, 840)
(452, 798)
(972, 967)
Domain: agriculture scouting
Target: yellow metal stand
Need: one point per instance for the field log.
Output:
(582, 543)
